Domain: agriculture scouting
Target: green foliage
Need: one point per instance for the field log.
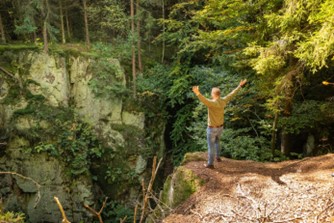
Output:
(115, 211)
(318, 46)
(108, 79)
(119, 48)
(70, 139)
(282, 40)
(76, 145)
(306, 116)
(239, 144)
(28, 19)
(210, 43)
(27, 27)
(238, 141)
(11, 217)
(17, 47)
(12, 96)
(108, 18)
(189, 125)
(116, 175)
(179, 28)
(155, 80)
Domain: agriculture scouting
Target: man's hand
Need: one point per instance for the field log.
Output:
(243, 82)
(196, 90)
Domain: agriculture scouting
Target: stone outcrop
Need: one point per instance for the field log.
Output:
(178, 187)
(64, 82)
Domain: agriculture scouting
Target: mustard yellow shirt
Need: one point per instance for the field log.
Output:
(216, 107)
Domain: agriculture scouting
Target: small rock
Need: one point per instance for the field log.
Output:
(140, 165)
(26, 186)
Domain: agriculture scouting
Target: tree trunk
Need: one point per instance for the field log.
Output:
(45, 37)
(163, 32)
(286, 140)
(45, 26)
(134, 76)
(2, 30)
(34, 37)
(274, 134)
(69, 35)
(62, 26)
(140, 65)
(86, 22)
(288, 89)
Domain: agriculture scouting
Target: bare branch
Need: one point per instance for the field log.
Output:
(7, 73)
(63, 214)
(135, 214)
(12, 76)
(122, 220)
(286, 220)
(198, 214)
(147, 192)
(323, 211)
(97, 214)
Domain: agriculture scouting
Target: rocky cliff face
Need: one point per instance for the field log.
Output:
(55, 130)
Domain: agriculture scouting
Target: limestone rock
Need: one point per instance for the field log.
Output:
(4, 88)
(25, 185)
(6, 111)
(137, 120)
(113, 138)
(52, 77)
(86, 103)
(141, 164)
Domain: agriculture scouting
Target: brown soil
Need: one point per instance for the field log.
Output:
(248, 191)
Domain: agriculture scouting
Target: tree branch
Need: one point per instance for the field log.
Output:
(8, 73)
(323, 211)
(97, 214)
(147, 192)
(122, 220)
(63, 214)
(11, 76)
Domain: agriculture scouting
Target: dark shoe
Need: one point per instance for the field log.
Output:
(218, 159)
(209, 166)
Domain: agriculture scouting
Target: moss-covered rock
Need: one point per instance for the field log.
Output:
(178, 187)
(195, 156)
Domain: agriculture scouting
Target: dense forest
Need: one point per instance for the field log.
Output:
(285, 48)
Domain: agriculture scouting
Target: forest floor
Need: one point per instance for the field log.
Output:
(248, 191)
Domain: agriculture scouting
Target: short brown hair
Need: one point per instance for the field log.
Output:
(216, 91)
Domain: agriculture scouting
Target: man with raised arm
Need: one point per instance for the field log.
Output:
(215, 127)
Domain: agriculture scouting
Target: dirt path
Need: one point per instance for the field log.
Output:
(248, 191)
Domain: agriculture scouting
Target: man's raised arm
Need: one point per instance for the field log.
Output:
(203, 99)
(229, 97)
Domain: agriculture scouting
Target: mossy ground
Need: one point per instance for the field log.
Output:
(195, 156)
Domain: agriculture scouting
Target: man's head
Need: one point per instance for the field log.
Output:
(215, 93)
